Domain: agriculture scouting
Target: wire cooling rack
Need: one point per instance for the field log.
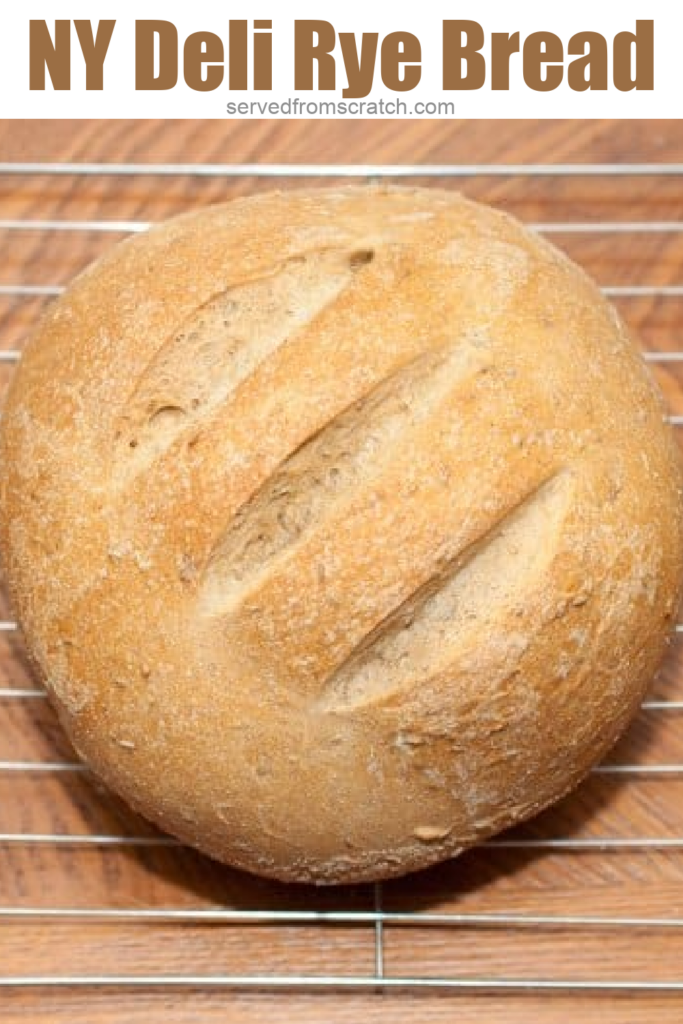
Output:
(377, 919)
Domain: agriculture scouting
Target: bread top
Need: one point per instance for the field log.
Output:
(343, 525)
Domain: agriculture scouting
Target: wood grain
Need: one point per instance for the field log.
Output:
(626, 883)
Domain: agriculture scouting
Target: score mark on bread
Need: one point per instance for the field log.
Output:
(474, 591)
(341, 456)
(223, 342)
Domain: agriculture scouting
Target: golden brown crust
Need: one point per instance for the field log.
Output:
(343, 526)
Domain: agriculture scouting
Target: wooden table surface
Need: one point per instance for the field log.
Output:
(645, 883)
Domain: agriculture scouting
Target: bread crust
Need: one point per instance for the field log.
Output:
(343, 526)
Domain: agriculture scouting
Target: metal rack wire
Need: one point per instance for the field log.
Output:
(378, 918)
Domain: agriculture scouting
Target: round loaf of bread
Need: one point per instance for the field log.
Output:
(344, 526)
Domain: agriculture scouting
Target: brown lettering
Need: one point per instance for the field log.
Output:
(502, 48)
(237, 56)
(401, 48)
(590, 70)
(541, 48)
(643, 43)
(44, 54)
(263, 57)
(455, 51)
(203, 48)
(359, 71)
(306, 51)
(145, 31)
(94, 50)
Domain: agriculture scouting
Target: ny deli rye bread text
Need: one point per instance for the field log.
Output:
(343, 526)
